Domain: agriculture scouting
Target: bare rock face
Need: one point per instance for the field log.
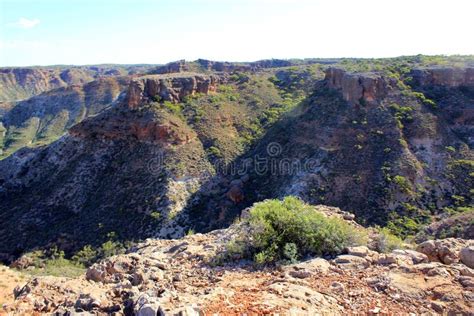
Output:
(449, 77)
(169, 87)
(357, 88)
(173, 67)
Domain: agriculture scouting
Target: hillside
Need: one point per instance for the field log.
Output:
(132, 169)
(22, 83)
(179, 151)
(149, 177)
(44, 118)
(372, 144)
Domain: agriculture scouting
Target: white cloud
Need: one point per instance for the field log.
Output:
(25, 23)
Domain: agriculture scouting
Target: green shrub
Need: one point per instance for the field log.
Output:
(111, 248)
(402, 183)
(215, 152)
(385, 241)
(290, 229)
(290, 252)
(86, 256)
(175, 108)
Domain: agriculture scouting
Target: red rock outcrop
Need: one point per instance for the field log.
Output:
(357, 88)
(169, 87)
(129, 127)
(449, 77)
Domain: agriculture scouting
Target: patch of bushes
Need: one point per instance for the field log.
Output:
(402, 183)
(53, 262)
(404, 226)
(403, 114)
(175, 108)
(287, 230)
(214, 152)
(420, 96)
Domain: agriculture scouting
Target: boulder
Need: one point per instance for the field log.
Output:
(466, 281)
(316, 265)
(467, 256)
(426, 267)
(429, 249)
(438, 271)
(361, 251)
(351, 262)
(387, 259)
(415, 256)
(337, 287)
(443, 250)
(22, 263)
(148, 310)
(87, 302)
(146, 305)
(300, 274)
(96, 273)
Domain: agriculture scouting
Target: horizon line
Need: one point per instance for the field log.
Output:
(229, 61)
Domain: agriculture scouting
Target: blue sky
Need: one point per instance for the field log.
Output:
(45, 32)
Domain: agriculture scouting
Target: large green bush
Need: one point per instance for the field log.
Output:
(290, 229)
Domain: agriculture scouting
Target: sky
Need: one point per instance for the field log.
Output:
(50, 32)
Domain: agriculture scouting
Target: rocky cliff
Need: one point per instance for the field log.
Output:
(358, 89)
(44, 118)
(22, 83)
(173, 88)
(449, 77)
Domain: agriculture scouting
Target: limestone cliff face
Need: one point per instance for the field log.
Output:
(169, 87)
(448, 77)
(357, 88)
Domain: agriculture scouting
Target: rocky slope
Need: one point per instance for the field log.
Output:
(185, 150)
(44, 118)
(190, 147)
(370, 144)
(178, 277)
(22, 83)
(132, 169)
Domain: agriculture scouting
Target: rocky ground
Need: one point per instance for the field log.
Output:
(180, 277)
